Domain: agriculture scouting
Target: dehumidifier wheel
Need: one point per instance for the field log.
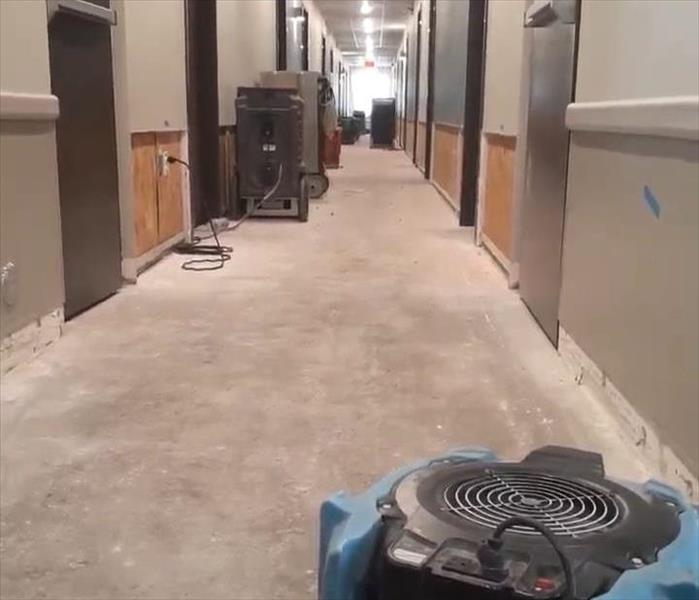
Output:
(318, 184)
(303, 201)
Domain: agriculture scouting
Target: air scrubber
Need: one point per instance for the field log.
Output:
(307, 85)
(269, 152)
(466, 526)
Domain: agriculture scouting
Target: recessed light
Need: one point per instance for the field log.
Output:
(366, 8)
(367, 25)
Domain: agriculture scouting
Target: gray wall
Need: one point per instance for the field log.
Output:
(246, 46)
(629, 296)
(450, 61)
(294, 38)
(503, 66)
(155, 53)
(411, 73)
(30, 232)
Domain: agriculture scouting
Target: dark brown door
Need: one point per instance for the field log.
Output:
(418, 53)
(81, 78)
(203, 113)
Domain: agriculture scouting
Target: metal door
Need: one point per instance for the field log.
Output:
(81, 78)
(551, 90)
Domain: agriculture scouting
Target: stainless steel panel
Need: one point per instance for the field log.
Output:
(92, 11)
(551, 89)
(81, 78)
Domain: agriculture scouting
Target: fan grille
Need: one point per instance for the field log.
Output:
(567, 507)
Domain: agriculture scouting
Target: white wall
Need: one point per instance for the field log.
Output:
(424, 58)
(503, 66)
(155, 54)
(316, 29)
(246, 46)
(24, 57)
(638, 49)
(630, 278)
(30, 228)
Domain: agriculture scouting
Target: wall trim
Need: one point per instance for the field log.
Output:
(16, 106)
(638, 431)
(671, 117)
(449, 126)
(154, 254)
(26, 343)
(496, 253)
(442, 192)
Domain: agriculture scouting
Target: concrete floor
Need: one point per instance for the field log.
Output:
(178, 440)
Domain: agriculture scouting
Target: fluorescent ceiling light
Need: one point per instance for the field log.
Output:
(369, 43)
(367, 25)
(366, 8)
(395, 27)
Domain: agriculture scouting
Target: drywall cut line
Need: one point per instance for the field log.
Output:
(672, 117)
(16, 106)
(21, 346)
(638, 431)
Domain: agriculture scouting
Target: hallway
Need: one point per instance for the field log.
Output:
(179, 438)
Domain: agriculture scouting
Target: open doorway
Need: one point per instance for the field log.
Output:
(202, 110)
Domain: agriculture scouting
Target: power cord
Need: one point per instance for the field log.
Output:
(222, 253)
(493, 563)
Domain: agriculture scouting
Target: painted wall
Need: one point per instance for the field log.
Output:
(503, 147)
(316, 28)
(450, 62)
(155, 54)
(28, 172)
(294, 38)
(629, 296)
(503, 66)
(246, 46)
(411, 45)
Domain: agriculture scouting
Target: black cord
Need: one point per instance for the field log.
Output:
(496, 542)
(222, 253)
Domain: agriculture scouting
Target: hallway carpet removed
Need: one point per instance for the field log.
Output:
(178, 440)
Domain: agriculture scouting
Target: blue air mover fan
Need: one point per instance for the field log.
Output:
(468, 526)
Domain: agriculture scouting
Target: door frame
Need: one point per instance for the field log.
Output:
(430, 86)
(305, 57)
(406, 72)
(203, 131)
(416, 111)
(281, 35)
(473, 112)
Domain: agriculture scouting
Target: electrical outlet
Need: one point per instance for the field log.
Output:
(163, 164)
(8, 283)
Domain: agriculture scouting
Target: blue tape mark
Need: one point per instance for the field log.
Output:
(651, 201)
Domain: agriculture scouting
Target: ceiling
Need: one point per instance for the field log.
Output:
(345, 23)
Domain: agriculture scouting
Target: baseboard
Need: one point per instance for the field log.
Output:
(442, 192)
(23, 345)
(513, 276)
(496, 253)
(637, 430)
(153, 255)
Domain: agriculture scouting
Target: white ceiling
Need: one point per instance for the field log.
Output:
(345, 23)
